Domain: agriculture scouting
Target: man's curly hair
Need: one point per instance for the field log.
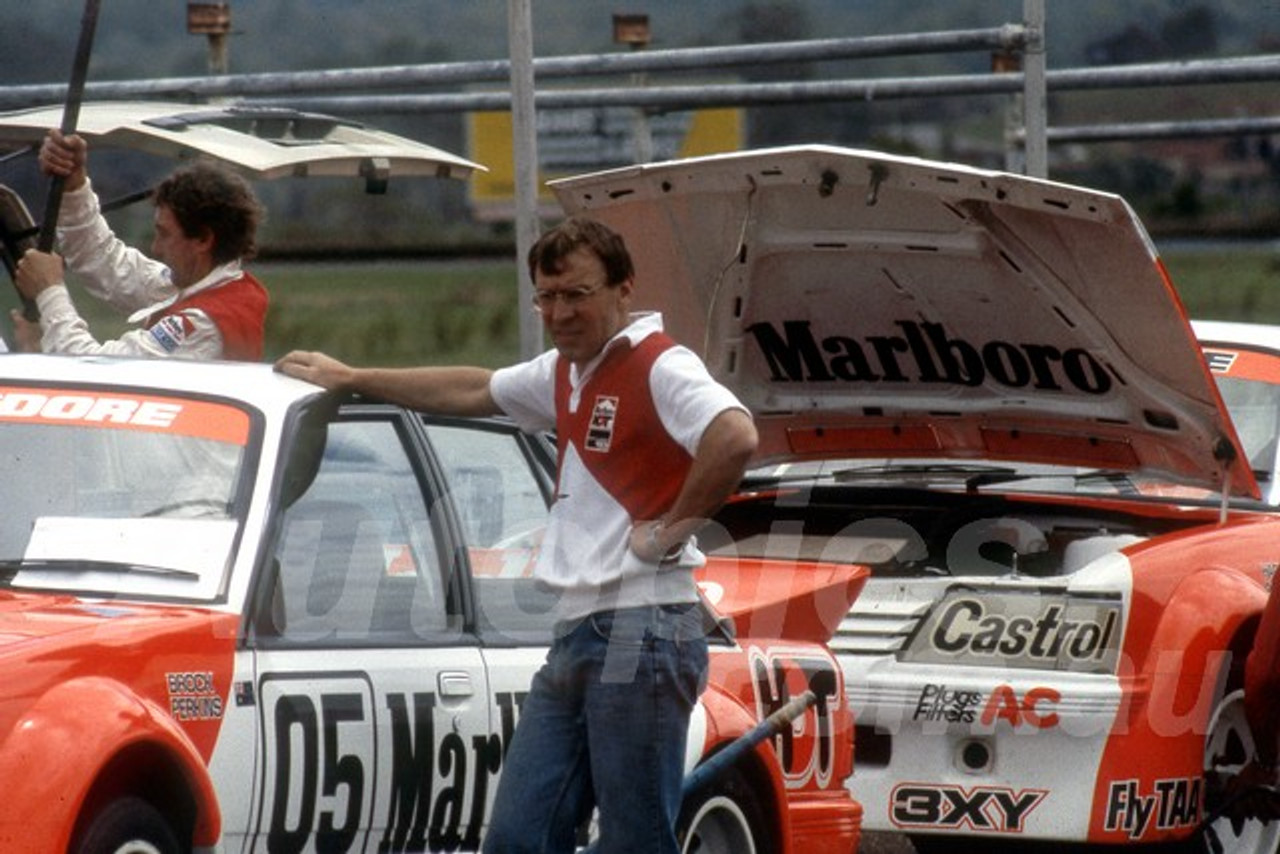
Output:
(204, 196)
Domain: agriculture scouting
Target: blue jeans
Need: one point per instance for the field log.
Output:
(604, 726)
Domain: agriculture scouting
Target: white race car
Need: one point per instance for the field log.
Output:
(984, 387)
(238, 616)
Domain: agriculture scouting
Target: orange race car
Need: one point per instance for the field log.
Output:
(984, 387)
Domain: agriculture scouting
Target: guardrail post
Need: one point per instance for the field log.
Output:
(524, 148)
(1035, 99)
(633, 30)
(1026, 120)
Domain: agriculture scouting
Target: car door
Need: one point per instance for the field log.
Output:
(371, 693)
(501, 482)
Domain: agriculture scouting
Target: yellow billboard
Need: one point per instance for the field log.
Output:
(588, 139)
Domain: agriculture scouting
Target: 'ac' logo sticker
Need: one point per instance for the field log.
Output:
(603, 413)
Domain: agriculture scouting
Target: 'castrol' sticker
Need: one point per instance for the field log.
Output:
(1024, 629)
(202, 419)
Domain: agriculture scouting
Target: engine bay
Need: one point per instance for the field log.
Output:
(910, 532)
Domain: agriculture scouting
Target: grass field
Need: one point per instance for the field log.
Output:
(464, 312)
(396, 313)
(1241, 283)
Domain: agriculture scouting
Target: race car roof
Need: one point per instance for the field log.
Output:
(1237, 334)
(862, 304)
(256, 384)
(260, 142)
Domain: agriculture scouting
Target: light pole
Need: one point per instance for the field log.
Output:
(524, 147)
(212, 20)
(633, 30)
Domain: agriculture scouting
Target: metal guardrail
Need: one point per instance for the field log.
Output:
(1204, 72)
(1008, 38)
(1164, 130)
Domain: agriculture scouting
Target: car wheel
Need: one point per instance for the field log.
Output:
(1228, 746)
(725, 817)
(128, 826)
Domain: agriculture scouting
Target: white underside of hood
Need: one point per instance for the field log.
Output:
(261, 142)
(863, 304)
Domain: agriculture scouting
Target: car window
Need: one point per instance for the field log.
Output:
(92, 482)
(117, 474)
(357, 559)
(502, 507)
(1255, 411)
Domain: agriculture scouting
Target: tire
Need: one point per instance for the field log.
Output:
(724, 817)
(128, 826)
(1227, 746)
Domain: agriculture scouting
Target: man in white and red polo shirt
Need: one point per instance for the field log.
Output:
(650, 445)
(191, 300)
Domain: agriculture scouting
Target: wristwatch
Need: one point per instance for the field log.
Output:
(672, 554)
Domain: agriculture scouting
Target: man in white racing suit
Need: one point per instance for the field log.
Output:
(191, 300)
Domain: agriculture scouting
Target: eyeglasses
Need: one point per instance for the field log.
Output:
(545, 300)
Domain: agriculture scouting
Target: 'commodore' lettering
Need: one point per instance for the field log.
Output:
(966, 627)
(924, 353)
(88, 408)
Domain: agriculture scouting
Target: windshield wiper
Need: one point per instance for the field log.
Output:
(1118, 480)
(974, 477)
(13, 567)
(948, 471)
(758, 481)
(914, 471)
(1122, 482)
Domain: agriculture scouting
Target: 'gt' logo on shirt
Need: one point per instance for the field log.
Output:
(603, 414)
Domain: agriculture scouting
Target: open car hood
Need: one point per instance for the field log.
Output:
(259, 142)
(866, 305)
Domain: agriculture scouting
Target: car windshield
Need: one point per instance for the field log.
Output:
(1254, 404)
(1255, 411)
(972, 476)
(118, 492)
(939, 517)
